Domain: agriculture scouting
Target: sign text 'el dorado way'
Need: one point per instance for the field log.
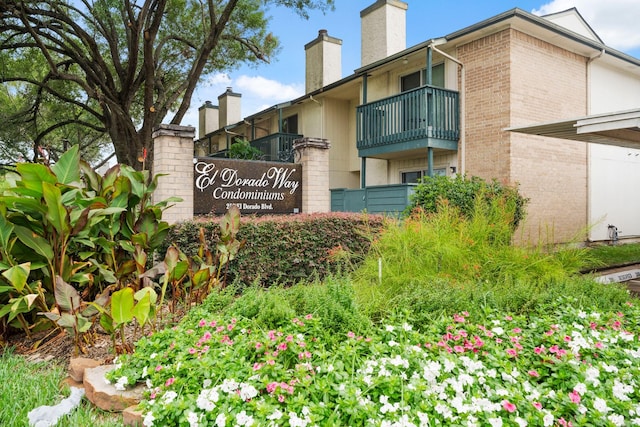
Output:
(253, 186)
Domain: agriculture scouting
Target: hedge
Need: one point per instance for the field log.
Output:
(286, 249)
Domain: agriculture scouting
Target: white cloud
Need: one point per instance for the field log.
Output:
(615, 21)
(263, 88)
(218, 79)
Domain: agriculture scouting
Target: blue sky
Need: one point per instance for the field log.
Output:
(615, 21)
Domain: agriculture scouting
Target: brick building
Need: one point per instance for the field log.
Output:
(502, 99)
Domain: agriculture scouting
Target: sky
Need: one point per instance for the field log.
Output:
(615, 22)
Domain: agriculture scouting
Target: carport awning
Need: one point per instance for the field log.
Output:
(620, 129)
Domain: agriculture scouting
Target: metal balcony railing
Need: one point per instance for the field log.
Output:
(418, 114)
(277, 147)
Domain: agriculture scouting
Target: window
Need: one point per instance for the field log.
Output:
(419, 78)
(290, 124)
(412, 177)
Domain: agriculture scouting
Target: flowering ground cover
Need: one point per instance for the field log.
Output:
(560, 366)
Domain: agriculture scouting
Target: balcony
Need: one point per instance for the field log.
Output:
(420, 118)
(277, 147)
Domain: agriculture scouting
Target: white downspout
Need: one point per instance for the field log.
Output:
(462, 147)
(588, 88)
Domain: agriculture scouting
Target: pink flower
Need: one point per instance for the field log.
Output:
(537, 405)
(282, 346)
(534, 373)
(271, 387)
(191, 351)
(272, 335)
(213, 323)
(599, 345)
(289, 338)
(308, 316)
(258, 345)
(512, 352)
(574, 396)
(567, 338)
(350, 334)
(202, 323)
(169, 382)
(280, 398)
(508, 406)
(257, 366)
(538, 350)
(458, 318)
(508, 318)
(458, 349)
(158, 368)
(517, 330)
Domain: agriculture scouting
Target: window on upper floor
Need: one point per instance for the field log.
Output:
(290, 124)
(419, 78)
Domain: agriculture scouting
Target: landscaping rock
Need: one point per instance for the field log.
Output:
(132, 416)
(72, 383)
(77, 365)
(105, 396)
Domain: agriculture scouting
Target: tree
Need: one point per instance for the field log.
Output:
(120, 67)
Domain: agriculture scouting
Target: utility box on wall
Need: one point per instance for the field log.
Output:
(255, 187)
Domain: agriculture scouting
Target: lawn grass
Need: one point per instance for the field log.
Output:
(612, 255)
(26, 385)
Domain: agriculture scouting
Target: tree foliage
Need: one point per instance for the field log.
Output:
(120, 67)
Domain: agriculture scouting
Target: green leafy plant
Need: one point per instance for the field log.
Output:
(462, 192)
(242, 149)
(67, 221)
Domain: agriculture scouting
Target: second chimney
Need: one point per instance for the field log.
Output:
(323, 61)
(384, 30)
(229, 105)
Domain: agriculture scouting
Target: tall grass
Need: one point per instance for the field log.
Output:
(445, 262)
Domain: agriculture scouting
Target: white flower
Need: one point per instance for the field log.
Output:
(169, 397)
(521, 422)
(620, 390)
(392, 343)
(121, 383)
(495, 422)
(600, 405)
(547, 420)
(243, 419)
(276, 415)
(229, 386)
(580, 388)
(221, 420)
(144, 372)
(148, 419)
(193, 418)
(497, 330)
(616, 419)
(153, 355)
(407, 327)
(247, 391)
(389, 328)
(206, 383)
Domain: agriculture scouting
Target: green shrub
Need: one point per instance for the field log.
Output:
(287, 249)
(444, 262)
(462, 192)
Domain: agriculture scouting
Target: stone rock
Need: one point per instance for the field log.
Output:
(77, 365)
(132, 416)
(105, 396)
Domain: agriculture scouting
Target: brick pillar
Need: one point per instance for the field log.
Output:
(313, 154)
(173, 155)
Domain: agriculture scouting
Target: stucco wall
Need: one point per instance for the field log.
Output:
(615, 171)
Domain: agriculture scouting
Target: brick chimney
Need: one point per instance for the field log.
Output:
(383, 30)
(208, 119)
(230, 111)
(323, 61)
